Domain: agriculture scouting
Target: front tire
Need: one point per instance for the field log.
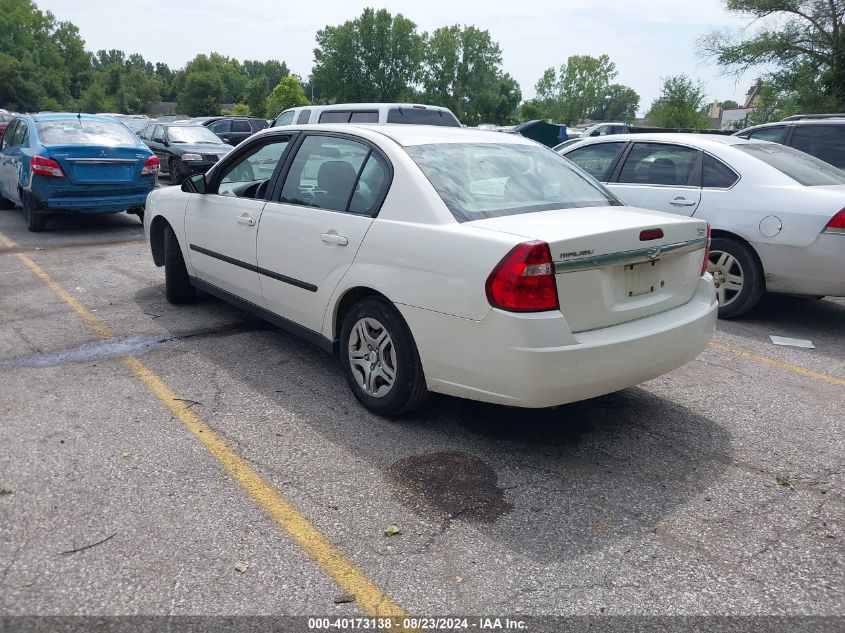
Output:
(175, 172)
(380, 359)
(177, 283)
(35, 222)
(737, 275)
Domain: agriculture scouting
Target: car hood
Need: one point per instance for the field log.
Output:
(202, 148)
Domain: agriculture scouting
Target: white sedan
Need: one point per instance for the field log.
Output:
(777, 214)
(432, 259)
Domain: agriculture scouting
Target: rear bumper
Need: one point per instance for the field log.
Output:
(806, 270)
(89, 204)
(535, 361)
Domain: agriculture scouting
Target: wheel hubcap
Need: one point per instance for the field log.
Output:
(728, 276)
(372, 357)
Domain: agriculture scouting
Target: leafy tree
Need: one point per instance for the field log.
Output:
(728, 104)
(239, 109)
(580, 87)
(531, 110)
(287, 94)
(462, 71)
(226, 70)
(375, 57)
(620, 104)
(679, 104)
(202, 93)
(804, 39)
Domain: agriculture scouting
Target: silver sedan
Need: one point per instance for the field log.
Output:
(777, 215)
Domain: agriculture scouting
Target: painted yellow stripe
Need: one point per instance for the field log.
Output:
(773, 362)
(368, 595)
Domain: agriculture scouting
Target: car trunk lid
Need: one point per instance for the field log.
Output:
(614, 264)
(98, 164)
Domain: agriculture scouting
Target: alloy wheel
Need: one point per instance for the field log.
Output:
(727, 274)
(372, 357)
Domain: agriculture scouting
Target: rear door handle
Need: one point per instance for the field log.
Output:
(334, 238)
(246, 219)
(682, 202)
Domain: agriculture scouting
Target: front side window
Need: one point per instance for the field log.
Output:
(219, 127)
(659, 164)
(258, 124)
(240, 126)
(826, 142)
(246, 175)
(597, 159)
(324, 173)
(802, 168)
(773, 134)
(488, 180)
(79, 131)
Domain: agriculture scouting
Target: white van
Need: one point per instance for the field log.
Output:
(369, 113)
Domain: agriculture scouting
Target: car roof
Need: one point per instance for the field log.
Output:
(408, 135)
(785, 122)
(53, 116)
(699, 140)
(369, 106)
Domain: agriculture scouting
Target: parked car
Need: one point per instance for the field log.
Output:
(600, 129)
(172, 118)
(432, 259)
(184, 149)
(135, 122)
(5, 119)
(73, 163)
(777, 214)
(408, 113)
(232, 129)
(817, 135)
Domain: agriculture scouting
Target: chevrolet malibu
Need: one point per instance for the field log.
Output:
(431, 259)
(73, 163)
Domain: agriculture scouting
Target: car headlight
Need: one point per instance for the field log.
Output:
(191, 157)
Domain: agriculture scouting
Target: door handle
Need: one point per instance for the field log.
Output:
(682, 202)
(246, 219)
(334, 238)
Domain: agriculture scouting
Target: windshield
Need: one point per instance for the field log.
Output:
(803, 168)
(489, 180)
(75, 131)
(192, 134)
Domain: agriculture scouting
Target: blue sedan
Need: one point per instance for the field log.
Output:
(73, 163)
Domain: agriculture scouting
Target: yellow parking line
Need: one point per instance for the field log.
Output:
(373, 600)
(796, 369)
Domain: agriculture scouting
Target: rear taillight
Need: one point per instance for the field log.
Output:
(524, 281)
(44, 166)
(706, 261)
(151, 166)
(836, 224)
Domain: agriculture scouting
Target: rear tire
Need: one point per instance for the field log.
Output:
(35, 222)
(177, 283)
(737, 275)
(6, 205)
(380, 359)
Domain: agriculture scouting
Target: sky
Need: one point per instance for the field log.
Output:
(647, 41)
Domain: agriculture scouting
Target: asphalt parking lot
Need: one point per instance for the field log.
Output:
(159, 459)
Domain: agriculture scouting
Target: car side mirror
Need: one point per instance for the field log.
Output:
(194, 184)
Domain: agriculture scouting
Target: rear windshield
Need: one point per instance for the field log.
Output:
(73, 131)
(422, 117)
(489, 180)
(803, 168)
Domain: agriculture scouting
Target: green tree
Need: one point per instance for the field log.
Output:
(728, 104)
(679, 104)
(462, 70)
(375, 57)
(580, 87)
(287, 94)
(804, 39)
(202, 93)
(620, 104)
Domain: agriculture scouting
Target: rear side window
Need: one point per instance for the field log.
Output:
(241, 125)
(772, 134)
(9, 134)
(20, 134)
(334, 117)
(716, 174)
(303, 116)
(422, 116)
(370, 187)
(75, 131)
(324, 173)
(364, 117)
(659, 164)
(596, 159)
(802, 168)
(826, 142)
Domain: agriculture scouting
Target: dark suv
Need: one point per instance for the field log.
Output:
(822, 136)
(232, 129)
